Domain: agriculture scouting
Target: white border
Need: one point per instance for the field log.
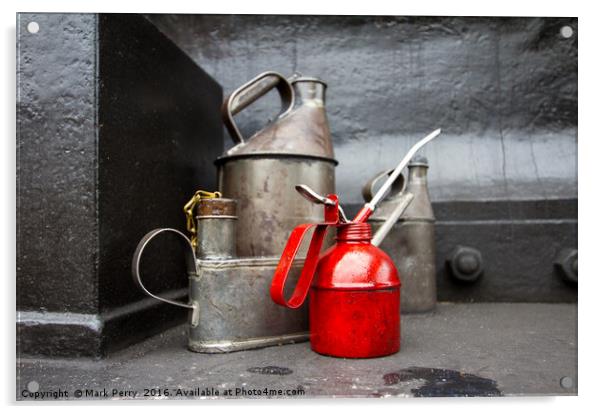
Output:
(590, 203)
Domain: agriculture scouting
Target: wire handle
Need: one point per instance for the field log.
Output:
(190, 265)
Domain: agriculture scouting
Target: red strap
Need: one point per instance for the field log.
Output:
(309, 267)
(311, 261)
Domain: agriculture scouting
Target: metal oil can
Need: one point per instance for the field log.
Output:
(228, 301)
(261, 172)
(411, 241)
(354, 301)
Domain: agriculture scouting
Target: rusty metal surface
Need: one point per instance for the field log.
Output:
(236, 311)
(216, 207)
(216, 226)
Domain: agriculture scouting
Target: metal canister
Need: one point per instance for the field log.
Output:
(261, 172)
(228, 296)
(411, 242)
(230, 293)
(216, 223)
(354, 301)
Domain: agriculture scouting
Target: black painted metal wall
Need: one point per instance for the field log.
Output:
(504, 91)
(117, 128)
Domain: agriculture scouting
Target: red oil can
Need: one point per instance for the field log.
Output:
(354, 301)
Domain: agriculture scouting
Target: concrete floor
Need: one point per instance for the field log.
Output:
(460, 349)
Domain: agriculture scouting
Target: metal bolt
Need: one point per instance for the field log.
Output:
(566, 265)
(465, 264)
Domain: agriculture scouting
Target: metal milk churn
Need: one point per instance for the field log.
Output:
(411, 241)
(261, 172)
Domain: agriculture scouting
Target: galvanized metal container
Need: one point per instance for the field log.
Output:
(231, 294)
(261, 172)
(229, 300)
(411, 242)
(216, 226)
(235, 309)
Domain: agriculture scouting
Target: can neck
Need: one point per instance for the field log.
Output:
(417, 173)
(310, 91)
(354, 232)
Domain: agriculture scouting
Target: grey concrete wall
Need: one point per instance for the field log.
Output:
(504, 90)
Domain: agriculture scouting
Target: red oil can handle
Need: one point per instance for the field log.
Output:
(331, 218)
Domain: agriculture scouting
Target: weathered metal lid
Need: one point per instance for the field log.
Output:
(216, 207)
(418, 161)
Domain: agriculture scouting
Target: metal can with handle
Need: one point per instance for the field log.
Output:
(354, 300)
(262, 171)
(228, 296)
(411, 242)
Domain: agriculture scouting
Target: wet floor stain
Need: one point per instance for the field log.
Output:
(271, 370)
(444, 383)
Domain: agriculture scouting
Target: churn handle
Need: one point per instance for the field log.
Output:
(250, 92)
(190, 266)
(397, 187)
(331, 217)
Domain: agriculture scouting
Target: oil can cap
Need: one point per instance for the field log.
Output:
(216, 208)
(308, 79)
(418, 161)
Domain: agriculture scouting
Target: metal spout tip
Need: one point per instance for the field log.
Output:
(312, 196)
